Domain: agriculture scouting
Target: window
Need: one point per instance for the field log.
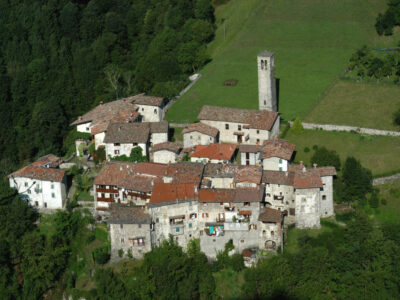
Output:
(142, 109)
(265, 102)
(226, 126)
(134, 144)
(176, 239)
(323, 197)
(190, 225)
(157, 220)
(280, 160)
(272, 233)
(117, 144)
(258, 131)
(239, 127)
(36, 203)
(140, 225)
(201, 232)
(45, 204)
(279, 185)
(53, 195)
(140, 242)
(116, 151)
(177, 229)
(26, 184)
(87, 128)
(303, 200)
(52, 186)
(258, 141)
(122, 240)
(246, 204)
(155, 111)
(242, 241)
(29, 191)
(221, 203)
(191, 137)
(121, 226)
(210, 138)
(280, 168)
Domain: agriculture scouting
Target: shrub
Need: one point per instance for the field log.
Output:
(374, 200)
(315, 147)
(101, 255)
(396, 117)
(237, 262)
(306, 149)
(325, 157)
(121, 253)
(130, 253)
(297, 127)
(285, 130)
(90, 239)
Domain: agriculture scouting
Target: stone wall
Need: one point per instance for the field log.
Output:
(388, 179)
(330, 127)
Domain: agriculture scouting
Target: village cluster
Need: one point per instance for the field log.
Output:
(232, 180)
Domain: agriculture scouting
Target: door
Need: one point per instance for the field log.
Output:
(239, 138)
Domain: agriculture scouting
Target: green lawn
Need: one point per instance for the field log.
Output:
(358, 104)
(391, 193)
(380, 154)
(313, 41)
(176, 133)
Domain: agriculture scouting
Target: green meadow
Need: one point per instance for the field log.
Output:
(312, 40)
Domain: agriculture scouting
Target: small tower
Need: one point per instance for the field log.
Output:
(266, 81)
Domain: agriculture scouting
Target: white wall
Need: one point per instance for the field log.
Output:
(42, 193)
(158, 138)
(326, 205)
(307, 208)
(164, 157)
(148, 114)
(275, 164)
(196, 138)
(123, 149)
(254, 158)
(85, 127)
(98, 139)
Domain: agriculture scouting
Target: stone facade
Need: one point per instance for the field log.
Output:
(165, 157)
(266, 81)
(194, 138)
(151, 113)
(275, 164)
(117, 149)
(307, 208)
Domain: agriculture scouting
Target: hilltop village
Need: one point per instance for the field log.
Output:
(232, 180)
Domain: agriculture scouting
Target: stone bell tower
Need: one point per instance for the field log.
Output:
(266, 81)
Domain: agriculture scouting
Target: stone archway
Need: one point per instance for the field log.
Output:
(270, 245)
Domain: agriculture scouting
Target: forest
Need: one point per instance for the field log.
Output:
(59, 58)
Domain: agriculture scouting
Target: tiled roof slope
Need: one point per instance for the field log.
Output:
(258, 119)
(39, 173)
(214, 151)
(278, 148)
(170, 192)
(140, 183)
(170, 146)
(127, 133)
(150, 168)
(251, 174)
(185, 172)
(114, 173)
(307, 180)
(231, 195)
(278, 177)
(143, 99)
(270, 215)
(202, 128)
(127, 214)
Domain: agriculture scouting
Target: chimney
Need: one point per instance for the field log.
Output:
(80, 117)
(196, 190)
(120, 168)
(315, 165)
(152, 183)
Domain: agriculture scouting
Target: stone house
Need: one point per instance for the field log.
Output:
(121, 138)
(165, 153)
(130, 231)
(40, 184)
(271, 224)
(275, 154)
(158, 132)
(199, 134)
(151, 109)
(214, 153)
(241, 126)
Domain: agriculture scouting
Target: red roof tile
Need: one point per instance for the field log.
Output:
(185, 172)
(114, 173)
(39, 173)
(150, 168)
(270, 215)
(307, 180)
(277, 148)
(258, 119)
(278, 177)
(169, 192)
(214, 151)
(170, 146)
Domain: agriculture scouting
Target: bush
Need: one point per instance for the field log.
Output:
(90, 239)
(237, 262)
(285, 130)
(325, 157)
(121, 253)
(396, 117)
(383, 201)
(101, 255)
(306, 149)
(297, 127)
(374, 200)
(315, 147)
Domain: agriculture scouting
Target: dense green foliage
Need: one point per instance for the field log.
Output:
(396, 117)
(324, 157)
(297, 127)
(58, 58)
(366, 63)
(101, 255)
(385, 22)
(32, 263)
(358, 261)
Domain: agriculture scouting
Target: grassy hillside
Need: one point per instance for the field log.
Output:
(358, 104)
(313, 41)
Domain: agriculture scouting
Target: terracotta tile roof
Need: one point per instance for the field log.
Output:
(270, 215)
(248, 194)
(278, 177)
(39, 173)
(215, 151)
(50, 159)
(325, 171)
(278, 148)
(150, 168)
(307, 180)
(127, 133)
(251, 174)
(140, 183)
(114, 173)
(127, 214)
(169, 192)
(142, 99)
(295, 167)
(173, 147)
(250, 148)
(116, 111)
(258, 119)
(185, 172)
(202, 128)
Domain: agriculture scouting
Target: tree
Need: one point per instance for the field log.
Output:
(374, 200)
(396, 117)
(325, 157)
(357, 179)
(297, 127)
